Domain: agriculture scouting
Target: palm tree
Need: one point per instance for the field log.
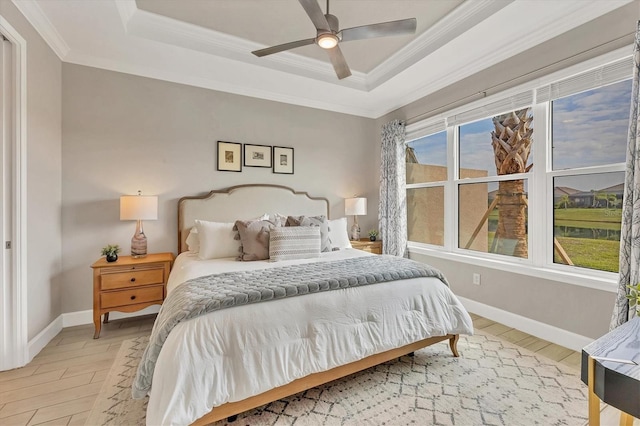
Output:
(512, 140)
(564, 201)
(602, 196)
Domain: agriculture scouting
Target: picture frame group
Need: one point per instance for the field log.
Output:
(231, 156)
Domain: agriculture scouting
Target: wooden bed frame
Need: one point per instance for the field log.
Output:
(252, 201)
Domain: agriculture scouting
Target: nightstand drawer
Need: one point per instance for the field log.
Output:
(371, 249)
(131, 297)
(365, 244)
(131, 278)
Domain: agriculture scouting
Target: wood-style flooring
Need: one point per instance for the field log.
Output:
(60, 385)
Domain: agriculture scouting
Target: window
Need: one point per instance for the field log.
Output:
(493, 217)
(469, 182)
(492, 213)
(589, 129)
(426, 174)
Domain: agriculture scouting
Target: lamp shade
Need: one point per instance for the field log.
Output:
(138, 207)
(355, 206)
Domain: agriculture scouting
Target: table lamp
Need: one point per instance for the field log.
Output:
(357, 207)
(138, 207)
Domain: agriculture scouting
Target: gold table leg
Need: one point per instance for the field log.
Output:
(626, 419)
(594, 401)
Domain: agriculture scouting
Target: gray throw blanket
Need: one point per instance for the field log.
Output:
(202, 295)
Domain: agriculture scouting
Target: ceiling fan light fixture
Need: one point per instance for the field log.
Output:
(327, 40)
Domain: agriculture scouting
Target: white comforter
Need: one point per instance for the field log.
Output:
(232, 354)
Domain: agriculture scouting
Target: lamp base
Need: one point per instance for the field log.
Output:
(355, 232)
(139, 242)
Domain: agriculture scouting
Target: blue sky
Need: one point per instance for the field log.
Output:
(588, 129)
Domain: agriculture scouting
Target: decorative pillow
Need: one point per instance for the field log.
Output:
(319, 221)
(217, 239)
(193, 242)
(276, 218)
(338, 234)
(254, 238)
(299, 242)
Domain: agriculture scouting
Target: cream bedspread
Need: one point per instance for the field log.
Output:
(232, 354)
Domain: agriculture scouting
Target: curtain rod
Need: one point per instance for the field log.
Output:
(483, 93)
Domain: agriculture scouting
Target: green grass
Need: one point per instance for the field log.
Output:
(592, 216)
(592, 254)
(601, 255)
(598, 216)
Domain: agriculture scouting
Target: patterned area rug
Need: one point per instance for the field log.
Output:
(492, 383)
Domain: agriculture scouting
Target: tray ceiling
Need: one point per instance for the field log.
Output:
(208, 43)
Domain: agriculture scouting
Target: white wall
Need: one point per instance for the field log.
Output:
(44, 230)
(122, 133)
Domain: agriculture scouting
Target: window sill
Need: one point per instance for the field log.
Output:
(602, 283)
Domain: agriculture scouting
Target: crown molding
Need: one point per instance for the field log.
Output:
(455, 23)
(214, 84)
(39, 20)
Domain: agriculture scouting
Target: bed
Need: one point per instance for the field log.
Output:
(229, 361)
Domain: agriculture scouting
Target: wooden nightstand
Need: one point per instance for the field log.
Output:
(128, 284)
(365, 244)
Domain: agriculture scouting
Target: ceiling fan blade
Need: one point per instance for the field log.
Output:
(383, 29)
(338, 62)
(315, 13)
(282, 47)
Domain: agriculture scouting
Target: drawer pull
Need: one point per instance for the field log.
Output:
(133, 280)
(133, 297)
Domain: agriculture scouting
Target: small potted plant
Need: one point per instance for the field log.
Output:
(111, 252)
(373, 234)
(634, 297)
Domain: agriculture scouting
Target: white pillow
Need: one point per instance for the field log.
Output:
(193, 242)
(217, 240)
(338, 234)
(294, 242)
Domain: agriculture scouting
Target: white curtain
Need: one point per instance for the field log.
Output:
(392, 212)
(630, 231)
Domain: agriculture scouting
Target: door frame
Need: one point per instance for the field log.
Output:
(14, 341)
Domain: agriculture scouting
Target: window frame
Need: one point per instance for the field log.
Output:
(539, 180)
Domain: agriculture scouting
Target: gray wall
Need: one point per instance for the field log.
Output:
(44, 231)
(578, 309)
(122, 133)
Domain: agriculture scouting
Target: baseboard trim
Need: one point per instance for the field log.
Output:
(38, 343)
(539, 329)
(71, 319)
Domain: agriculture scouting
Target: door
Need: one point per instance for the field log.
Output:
(7, 308)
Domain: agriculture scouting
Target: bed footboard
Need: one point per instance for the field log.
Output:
(233, 408)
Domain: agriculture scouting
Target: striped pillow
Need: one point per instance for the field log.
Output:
(299, 242)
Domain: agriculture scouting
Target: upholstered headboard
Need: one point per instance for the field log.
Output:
(245, 202)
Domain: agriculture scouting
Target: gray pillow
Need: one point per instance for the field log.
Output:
(294, 242)
(321, 221)
(254, 238)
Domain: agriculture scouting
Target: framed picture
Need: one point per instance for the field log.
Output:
(229, 156)
(257, 155)
(282, 160)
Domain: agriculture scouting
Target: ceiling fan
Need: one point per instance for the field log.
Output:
(328, 35)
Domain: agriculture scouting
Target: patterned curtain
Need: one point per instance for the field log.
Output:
(392, 212)
(630, 231)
